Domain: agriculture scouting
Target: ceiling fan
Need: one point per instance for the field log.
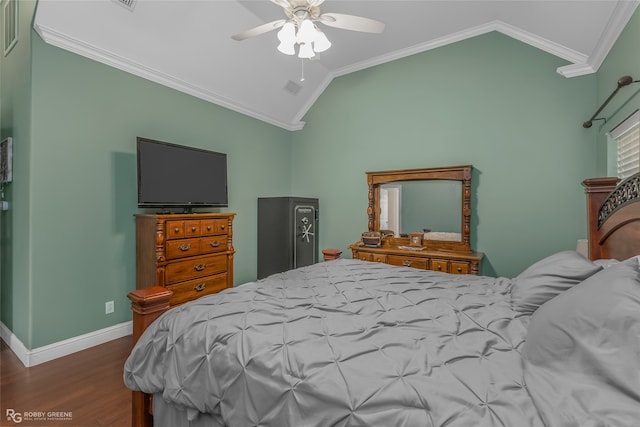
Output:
(299, 27)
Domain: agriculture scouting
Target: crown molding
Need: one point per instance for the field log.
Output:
(576, 70)
(90, 51)
(581, 64)
(619, 19)
(498, 26)
(412, 50)
(541, 43)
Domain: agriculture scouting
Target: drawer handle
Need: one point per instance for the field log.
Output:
(193, 229)
(208, 228)
(200, 287)
(215, 244)
(200, 267)
(406, 263)
(459, 269)
(222, 227)
(184, 247)
(176, 230)
(439, 267)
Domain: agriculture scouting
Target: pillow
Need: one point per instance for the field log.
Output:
(605, 263)
(582, 351)
(548, 278)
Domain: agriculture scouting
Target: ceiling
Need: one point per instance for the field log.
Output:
(187, 45)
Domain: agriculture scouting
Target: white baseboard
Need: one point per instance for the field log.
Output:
(62, 348)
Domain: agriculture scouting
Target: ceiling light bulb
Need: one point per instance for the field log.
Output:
(321, 42)
(287, 37)
(287, 49)
(288, 33)
(307, 32)
(306, 51)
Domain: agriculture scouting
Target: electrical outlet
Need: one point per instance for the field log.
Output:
(108, 307)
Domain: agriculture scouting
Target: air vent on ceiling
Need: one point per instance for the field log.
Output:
(292, 87)
(129, 4)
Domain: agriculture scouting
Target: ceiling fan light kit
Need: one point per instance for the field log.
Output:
(302, 15)
(309, 38)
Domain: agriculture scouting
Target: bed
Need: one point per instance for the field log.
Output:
(356, 343)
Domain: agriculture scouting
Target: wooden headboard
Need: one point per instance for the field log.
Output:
(613, 215)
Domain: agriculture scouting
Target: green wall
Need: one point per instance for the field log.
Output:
(490, 101)
(15, 121)
(86, 117)
(79, 239)
(496, 103)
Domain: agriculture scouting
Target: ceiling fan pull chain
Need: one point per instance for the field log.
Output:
(301, 69)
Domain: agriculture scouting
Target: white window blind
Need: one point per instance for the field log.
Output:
(627, 137)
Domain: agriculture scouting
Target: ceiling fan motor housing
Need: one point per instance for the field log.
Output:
(302, 12)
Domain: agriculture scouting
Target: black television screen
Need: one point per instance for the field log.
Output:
(171, 175)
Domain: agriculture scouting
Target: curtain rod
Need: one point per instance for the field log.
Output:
(622, 82)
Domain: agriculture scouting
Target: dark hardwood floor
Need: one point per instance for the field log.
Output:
(87, 384)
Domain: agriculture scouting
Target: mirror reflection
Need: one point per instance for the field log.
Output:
(433, 206)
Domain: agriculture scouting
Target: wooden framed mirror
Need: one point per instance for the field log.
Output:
(433, 201)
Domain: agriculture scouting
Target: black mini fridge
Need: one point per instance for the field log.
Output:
(287, 234)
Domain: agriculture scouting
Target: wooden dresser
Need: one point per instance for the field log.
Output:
(435, 204)
(445, 261)
(190, 254)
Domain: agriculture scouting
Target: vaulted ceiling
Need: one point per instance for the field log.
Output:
(187, 44)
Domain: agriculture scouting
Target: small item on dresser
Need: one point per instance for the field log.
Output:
(411, 248)
(387, 233)
(415, 239)
(371, 239)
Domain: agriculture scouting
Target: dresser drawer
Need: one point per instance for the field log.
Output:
(460, 267)
(440, 265)
(192, 289)
(379, 258)
(214, 226)
(196, 228)
(414, 262)
(208, 227)
(192, 228)
(370, 256)
(213, 244)
(175, 229)
(364, 256)
(192, 268)
(188, 247)
(182, 248)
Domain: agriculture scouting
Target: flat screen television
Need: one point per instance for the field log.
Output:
(177, 176)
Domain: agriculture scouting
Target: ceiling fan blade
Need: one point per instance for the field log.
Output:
(351, 22)
(282, 3)
(260, 29)
(314, 3)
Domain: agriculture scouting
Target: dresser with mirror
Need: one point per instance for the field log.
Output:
(423, 217)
